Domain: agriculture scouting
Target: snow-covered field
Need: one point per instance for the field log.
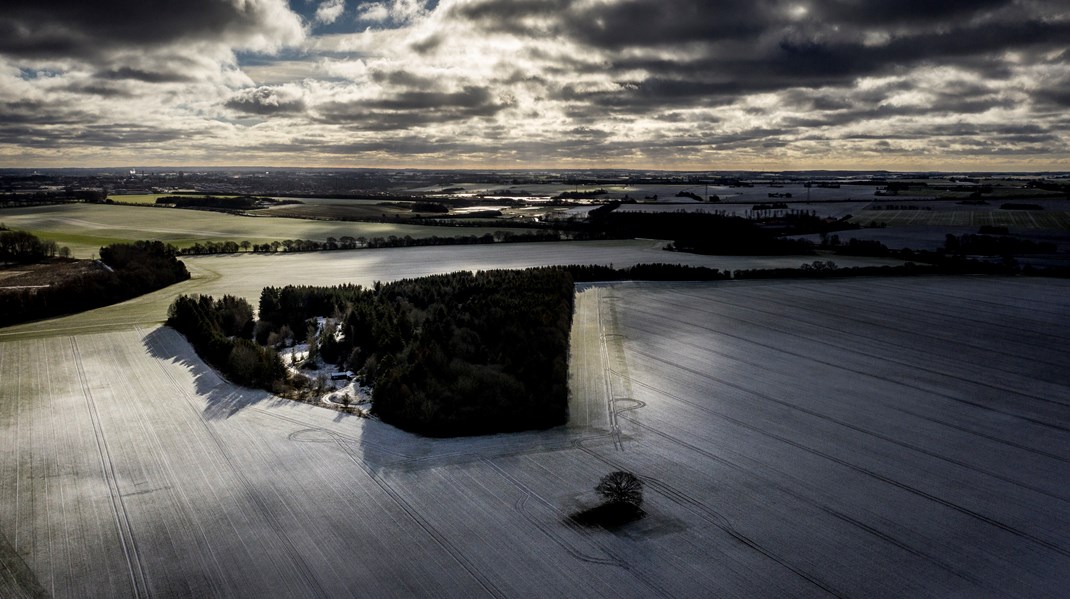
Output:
(868, 437)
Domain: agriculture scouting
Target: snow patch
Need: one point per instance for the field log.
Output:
(327, 390)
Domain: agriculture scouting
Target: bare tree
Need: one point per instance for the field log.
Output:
(621, 487)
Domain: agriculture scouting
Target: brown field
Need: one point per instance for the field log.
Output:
(44, 274)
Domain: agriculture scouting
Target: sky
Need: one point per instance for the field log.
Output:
(981, 85)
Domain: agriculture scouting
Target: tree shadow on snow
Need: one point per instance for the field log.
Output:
(222, 398)
(610, 515)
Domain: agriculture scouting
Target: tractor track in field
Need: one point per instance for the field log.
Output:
(913, 366)
(700, 509)
(800, 497)
(827, 418)
(698, 506)
(690, 503)
(876, 475)
(442, 540)
(138, 580)
(250, 491)
(809, 358)
(521, 502)
(1002, 441)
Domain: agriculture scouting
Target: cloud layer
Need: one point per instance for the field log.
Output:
(974, 85)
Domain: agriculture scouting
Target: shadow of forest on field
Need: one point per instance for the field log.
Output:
(222, 398)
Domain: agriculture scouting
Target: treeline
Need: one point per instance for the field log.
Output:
(42, 198)
(954, 245)
(818, 269)
(581, 194)
(952, 258)
(26, 248)
(720, 234)
(454, 354)
(644, 272)
(224, 203)
(993, 245)
(353, 243)
(133, 269)
(430, 207)
(221, 331)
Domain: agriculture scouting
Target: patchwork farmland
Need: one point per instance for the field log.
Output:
(86, 227)
(868, 437)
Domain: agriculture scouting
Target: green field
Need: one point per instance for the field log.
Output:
(86, 227)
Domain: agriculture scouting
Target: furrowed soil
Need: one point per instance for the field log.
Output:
(871, 437)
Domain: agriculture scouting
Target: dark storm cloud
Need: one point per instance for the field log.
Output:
(657, 91)
(30, 112)
(672, 22)
(402, 79)
(102, 90)
(265, 101)
(705, 52)
(104, 135)
(968, 133)
(142, 75)
(1058, 97)
(83, 29)
(852, 110)
(632, 22)
(794, 62)
(869, 12)
(471, 100)
(413, 108)
(1055, 95)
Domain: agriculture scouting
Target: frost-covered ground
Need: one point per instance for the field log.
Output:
(325, 388)
(869, 437)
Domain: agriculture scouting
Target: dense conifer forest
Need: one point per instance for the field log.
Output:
(456, 354)
(221, 332)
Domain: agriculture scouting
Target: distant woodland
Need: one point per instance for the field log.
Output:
(221, 332)
(132, 269)
(221, 203)
(20, 247)
(708, 233)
